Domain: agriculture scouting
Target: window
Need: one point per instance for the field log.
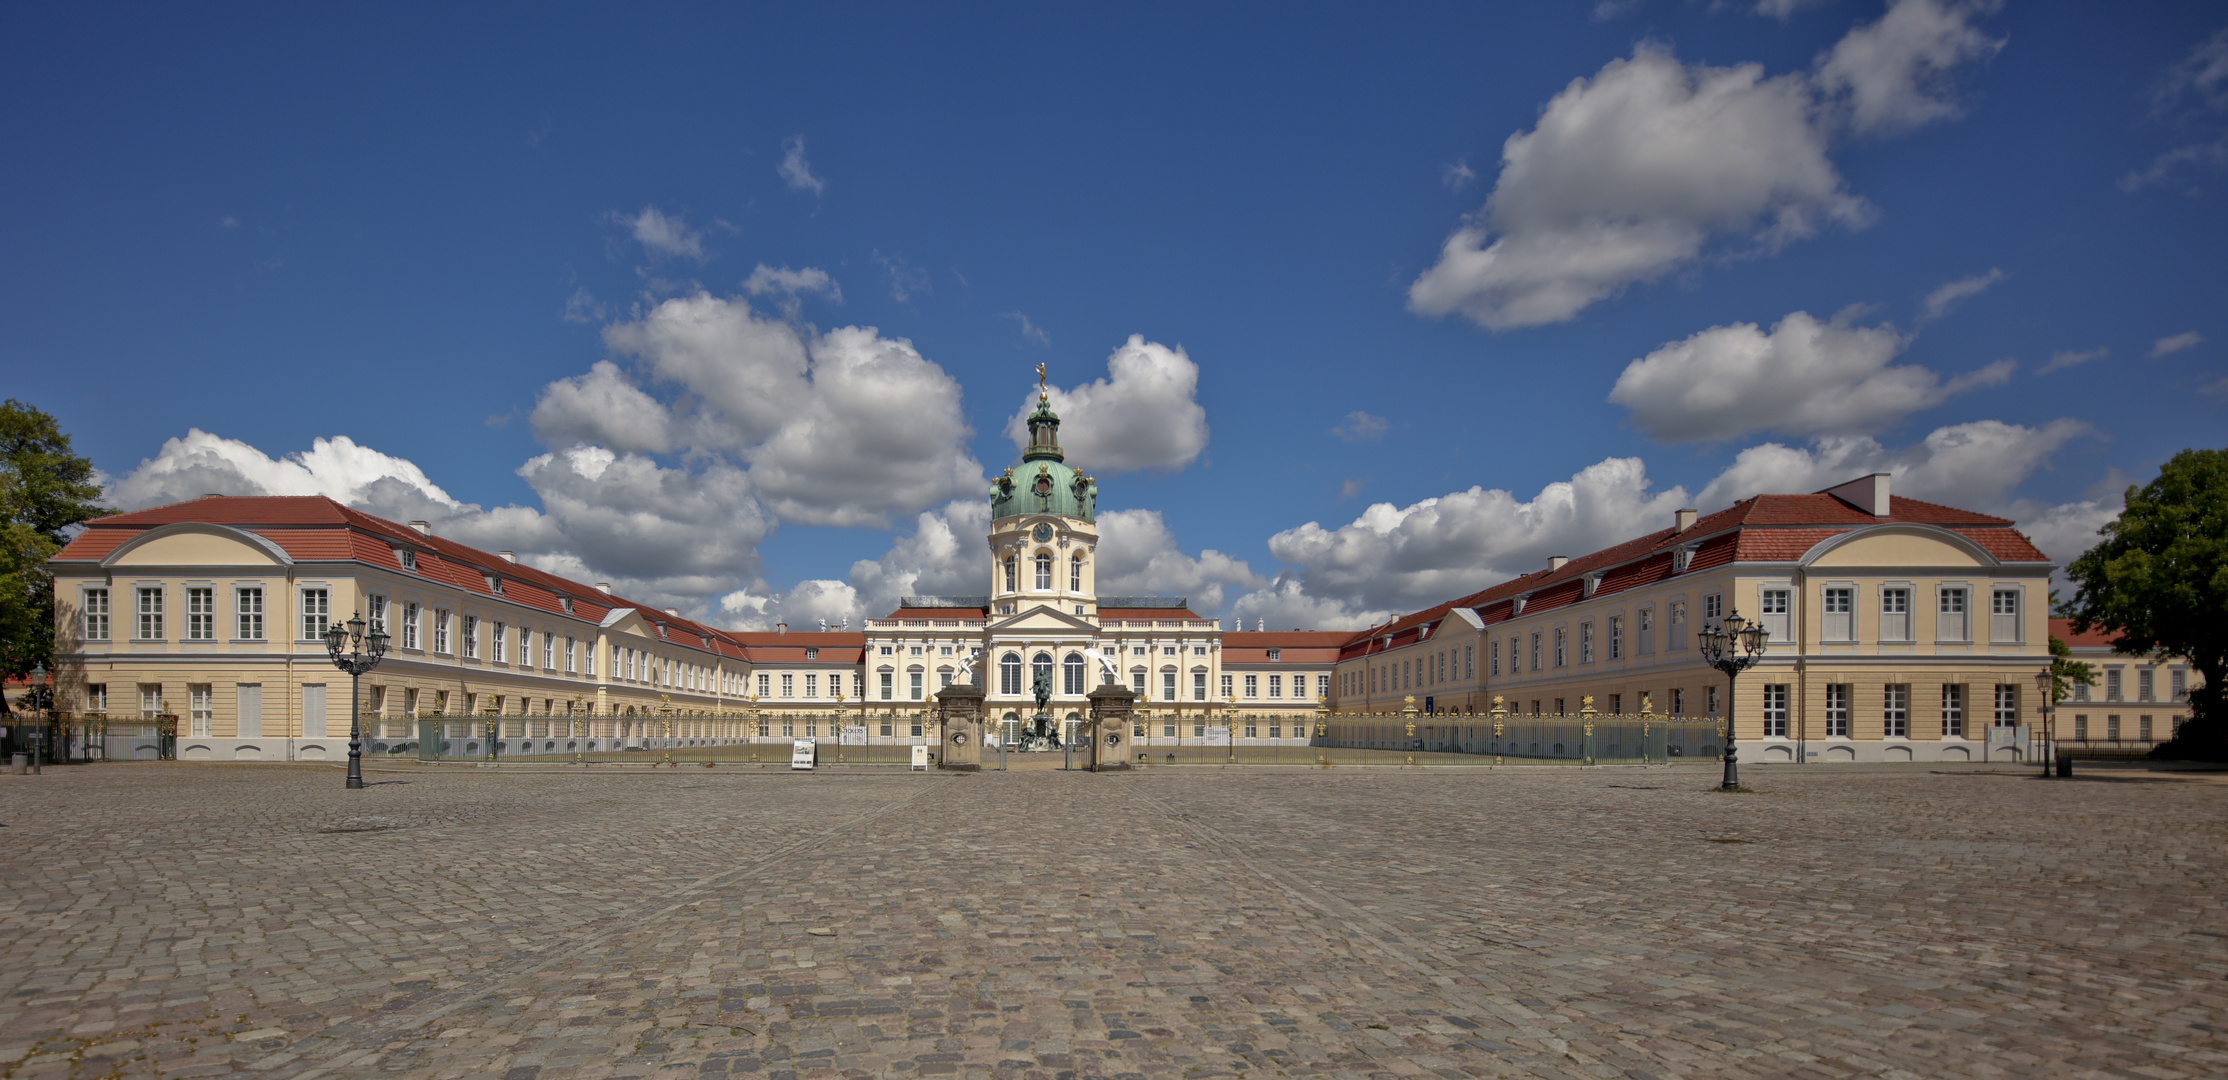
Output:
(1009, 573)
(317, 611)
(202, 708)
(1253, 686)
(2177, 677)
(1773, 606)
(150, 700)
(1838, 614)
(2111, 683)
(812, 654)
(1561, 638)
(1645, 645)
(913, 680)
(1678, 702)
(2143, 728)
(150, 615)
(1071, 674)
(2003, 615)
(1709, 700)
(2081, 727)
(2146, 684)
(1535, 650)
(526, 648)
(471, 640)
(96, 615)
(835, 684)
(1469, 663)
(2112, 727)
(410, 627)
(1837, 710)
(441, 630)
(765, 685)
(1075, 575)
(1276, 686)
(496, 643)
(96, 698)
(549, 648)
(407, 558)
(2080, 691)
(1009, 674)
(569, 643)
(1493, 657)
(2007, 704)
(201, 614)
(1585, 643)
(1168, 686)
(1953, 711)
(1895, 711)
(1616, 637)
(247, 607)
(1895, 614)
(1227, 692)
(1775, 710)
(812, 686)
(1949, 620)
(1198, 686)
(1713, 608)
(1044, 573)
(375, 613)
(1677, 632)
(1137, 681)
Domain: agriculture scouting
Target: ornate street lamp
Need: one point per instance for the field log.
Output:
(1732, 647)
(38, 733)
(355, 652)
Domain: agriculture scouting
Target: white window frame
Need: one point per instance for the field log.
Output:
(94, 613)
(317, 611)
(2007, 627)
(1775, 710)
(1953, 625)
(1837, 626)
(411, 628)
(1837, 710)
(247, 611)
(1895, 593)
(468, 637)
(201, 613)
(441, 630)
(1895, 711)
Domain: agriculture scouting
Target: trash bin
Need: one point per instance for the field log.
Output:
(2065, 765)
(21, 763)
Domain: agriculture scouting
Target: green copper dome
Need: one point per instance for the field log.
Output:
(1043, 483)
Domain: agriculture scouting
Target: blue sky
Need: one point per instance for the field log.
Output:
(734, 307)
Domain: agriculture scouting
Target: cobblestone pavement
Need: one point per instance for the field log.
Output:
(184, 920)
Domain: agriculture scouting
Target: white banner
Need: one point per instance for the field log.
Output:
(1218, 736)
(853, 735)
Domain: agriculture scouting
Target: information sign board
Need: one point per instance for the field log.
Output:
(1218, 736)
(854, 735)
(801, 754)
(920, 757)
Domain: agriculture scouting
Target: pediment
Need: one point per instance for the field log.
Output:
(1042, 617)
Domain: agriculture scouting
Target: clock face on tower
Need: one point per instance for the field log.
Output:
(1043, 533)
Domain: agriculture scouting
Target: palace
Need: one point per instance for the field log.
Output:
(1899, 630)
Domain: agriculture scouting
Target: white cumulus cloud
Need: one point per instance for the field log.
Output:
(660, 234)
(1144, 415)
(2167, 346)
(795, 171)
(1138, 556)
(2068, 358)
(1651, 165)
(604, 407)
(1805, 377)
(1943, 298)
(786, 282)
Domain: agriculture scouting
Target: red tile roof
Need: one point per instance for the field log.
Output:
(316, 528)
(1762, 528)
(2062, 629)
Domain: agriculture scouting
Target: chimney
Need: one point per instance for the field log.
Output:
(1555, 562)
(508, 556)
(1866, 493)
(675, 612)
(781, 628)
(425, 528)
(1682, 520)
(603, 587)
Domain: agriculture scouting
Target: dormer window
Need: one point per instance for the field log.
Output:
(408, 559)
(1275, 655)
(495, 584)
(566, 603)
(1680, 557)
(812, 654)
(662, 631)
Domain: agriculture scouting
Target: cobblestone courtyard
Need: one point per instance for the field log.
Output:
(200, 920)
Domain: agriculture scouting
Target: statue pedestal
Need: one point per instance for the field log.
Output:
(1112, 710)
(959, 710)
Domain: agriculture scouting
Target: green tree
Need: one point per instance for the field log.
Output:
(2066, 671)
(2159, 581)
(45, 491)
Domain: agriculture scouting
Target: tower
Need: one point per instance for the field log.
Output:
(1042, 530)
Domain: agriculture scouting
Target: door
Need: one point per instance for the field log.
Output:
(251, 711)
(313, 710)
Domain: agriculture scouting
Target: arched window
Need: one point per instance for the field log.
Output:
(1044, 573)
(1040, 667)
(1071, 674)
(1009, 674)
(1075, 573)
(1009, 574)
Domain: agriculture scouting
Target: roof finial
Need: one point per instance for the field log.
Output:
(1041, 395)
